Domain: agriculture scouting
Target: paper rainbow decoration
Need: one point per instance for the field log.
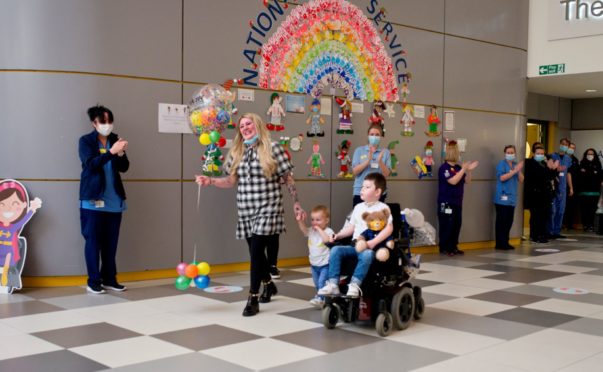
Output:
(328, 43)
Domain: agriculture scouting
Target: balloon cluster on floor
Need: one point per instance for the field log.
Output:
(195, 272)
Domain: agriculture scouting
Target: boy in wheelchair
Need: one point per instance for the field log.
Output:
(373, 186)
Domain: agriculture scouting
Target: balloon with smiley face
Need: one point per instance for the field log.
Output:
(15, 211)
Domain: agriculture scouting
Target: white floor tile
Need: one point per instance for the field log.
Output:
(48, 321)
(471, 306)
(159, 323)
(566, 268)
(491, 284)
(566, 307)
(456, 274)
(593, 363)
(118, 311)
(18, 345)
(306, 281)
(130, 351)
(263, 353)
(270, 325)
(6, 298)
(547, 350)
(307, 270)
(467, 363)
(446, 340)
(592, 283)
(455, 290)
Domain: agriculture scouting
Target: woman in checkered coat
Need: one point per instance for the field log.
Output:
(258, 167)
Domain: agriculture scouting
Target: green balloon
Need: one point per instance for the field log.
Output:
(214, 136)
(182, 282)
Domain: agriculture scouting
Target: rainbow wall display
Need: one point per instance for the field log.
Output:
(328, 43)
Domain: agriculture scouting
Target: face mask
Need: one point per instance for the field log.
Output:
(8, 214)
(539, 157)
(104, 129)
(428, 152)
(590, 157)
(374, 140)
(314, 109)
(252, 140)
(510, 157)
(570, 151)
(563, 148)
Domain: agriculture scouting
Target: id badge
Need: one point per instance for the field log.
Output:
(374, 165)
(448, 211)
(504, 198)
(99, 203)
(561, 174)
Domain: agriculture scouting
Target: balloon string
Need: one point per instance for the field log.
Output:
(198, 204)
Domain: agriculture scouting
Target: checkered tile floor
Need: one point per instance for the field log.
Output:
(488, 310)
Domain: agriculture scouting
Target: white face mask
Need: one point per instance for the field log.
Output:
(104, 129)
(590, 157)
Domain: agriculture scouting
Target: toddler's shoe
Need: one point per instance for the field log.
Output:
(330, 289)
(353, 290)
(318, 302)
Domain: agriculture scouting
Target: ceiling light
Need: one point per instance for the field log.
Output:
(590, 90)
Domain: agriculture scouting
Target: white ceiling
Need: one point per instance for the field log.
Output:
(568, 86)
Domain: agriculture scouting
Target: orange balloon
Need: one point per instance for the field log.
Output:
(191, 271)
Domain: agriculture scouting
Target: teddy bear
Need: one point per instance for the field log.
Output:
(376, 221)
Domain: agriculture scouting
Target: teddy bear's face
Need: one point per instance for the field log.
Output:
(376, 221)
(376, 225)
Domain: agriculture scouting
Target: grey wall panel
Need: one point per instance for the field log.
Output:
(54, 243)
(502, 22)
(150, 230)
(149, 236)
(478, 212)
(484, 76)
(45, 115)
(587, 113)
(132, 37)
(486, 135)
(542, 107)
(215, 35)
(565, 113)
(426, 14)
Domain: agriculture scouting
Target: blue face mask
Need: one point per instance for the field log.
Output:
(252, 140)
(570, 151)
(510, 157)
(563, 148)
(539, 157)
(374, 140)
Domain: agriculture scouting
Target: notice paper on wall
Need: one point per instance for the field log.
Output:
(173, 118)
(419, 111)
(325, 106)
(357, 107)
(448, 121)
(246, 95)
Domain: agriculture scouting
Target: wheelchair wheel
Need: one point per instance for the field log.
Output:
(419, 308)
(403, 308)
(384, 324)
(330, 315)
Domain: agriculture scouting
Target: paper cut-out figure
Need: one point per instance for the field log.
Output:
(15, 211)
(343, 156)
(315, 120)
(433, 121)
(315, 160)
(428, 158)
(376, 117)
(408, 121)
(345, 116)
(276, 112)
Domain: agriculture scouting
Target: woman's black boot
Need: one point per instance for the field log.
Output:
(253, 306)
(269, 291)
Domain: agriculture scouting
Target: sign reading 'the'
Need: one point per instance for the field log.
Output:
(574, 18)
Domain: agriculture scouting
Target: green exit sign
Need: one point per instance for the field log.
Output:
(551, 69)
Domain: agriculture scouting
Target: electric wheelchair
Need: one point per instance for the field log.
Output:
(388, 299)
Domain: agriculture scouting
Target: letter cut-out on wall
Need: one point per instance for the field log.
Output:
(15, 211)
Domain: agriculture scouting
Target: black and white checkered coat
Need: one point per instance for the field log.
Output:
(260, 199)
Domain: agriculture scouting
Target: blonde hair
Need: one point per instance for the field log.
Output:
(453, 154)
(323, 209)
(264, 144)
